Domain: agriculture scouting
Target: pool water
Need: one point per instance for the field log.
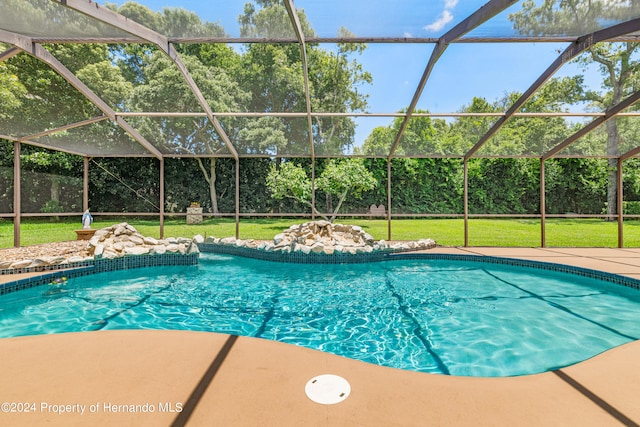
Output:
(449, 317)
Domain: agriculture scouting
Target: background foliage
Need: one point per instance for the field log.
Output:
(268, 77)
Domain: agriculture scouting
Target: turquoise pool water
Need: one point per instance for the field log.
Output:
(449, 317)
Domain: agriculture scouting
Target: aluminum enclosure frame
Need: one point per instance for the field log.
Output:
(626, 31)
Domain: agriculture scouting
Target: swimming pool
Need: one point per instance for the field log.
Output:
(451, 317)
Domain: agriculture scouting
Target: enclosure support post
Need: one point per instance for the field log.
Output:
(237, 197)
(620, 206)
(16, 194)
(465, 202)
(85, 185)
(388, 199)
(162, 197)
(543, 207)
(313, 189)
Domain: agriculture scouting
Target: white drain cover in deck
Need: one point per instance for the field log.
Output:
(327, 389)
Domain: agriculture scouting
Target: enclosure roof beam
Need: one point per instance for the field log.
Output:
(297, 27)
(37, 144)
(632, 38)
(9, 53)
(109, 17)
(95, 11)
(325, 114)
(611, 112)
(580, 45)
(630, 153)
(63, 128)
(480, 16)
(39, 52)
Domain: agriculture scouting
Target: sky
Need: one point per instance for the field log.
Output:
(465, 70)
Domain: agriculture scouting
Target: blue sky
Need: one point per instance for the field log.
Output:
(465, 70)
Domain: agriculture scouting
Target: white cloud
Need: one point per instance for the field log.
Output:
(444, 19)
(450, 4)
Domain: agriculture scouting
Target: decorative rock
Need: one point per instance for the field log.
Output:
(149, 241)
(278, 238)
(305, 249)
(192, 248)
(317, 237)
(136, 250)
(119, 230)
(136, 240)
(97, 253)
(158, 249)
(322, 238)
(100, 233)
(109, 255)
(39, 262)
(123, 239)
(21, 264)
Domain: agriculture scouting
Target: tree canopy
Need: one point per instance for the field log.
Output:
(269, 78)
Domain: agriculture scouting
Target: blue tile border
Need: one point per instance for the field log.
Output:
(87, 267)
(312, 258)
(549, 266)
(84, 268)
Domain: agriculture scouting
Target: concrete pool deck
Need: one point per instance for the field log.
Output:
(159, 378)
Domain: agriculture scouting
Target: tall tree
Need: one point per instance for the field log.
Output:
(618, 62)
(159, 86)
(194, 135)
(273, 73)
(336, 79)
(11, 91)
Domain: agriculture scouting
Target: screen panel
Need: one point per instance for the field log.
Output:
(103, 138)
(49, 19)
(192, 135)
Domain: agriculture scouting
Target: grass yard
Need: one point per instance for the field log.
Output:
(447, 232)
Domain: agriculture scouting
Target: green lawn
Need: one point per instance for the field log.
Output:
(448, 232)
